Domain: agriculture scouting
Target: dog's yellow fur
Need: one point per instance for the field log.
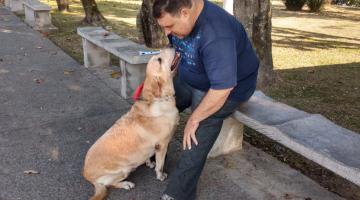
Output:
(142, 132)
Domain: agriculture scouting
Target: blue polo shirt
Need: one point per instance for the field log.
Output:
(217, 54)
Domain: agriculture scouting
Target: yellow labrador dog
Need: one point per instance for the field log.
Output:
(142, 132)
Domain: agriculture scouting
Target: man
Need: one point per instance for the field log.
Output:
(217, 72)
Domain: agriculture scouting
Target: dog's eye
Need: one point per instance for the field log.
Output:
(160, 60)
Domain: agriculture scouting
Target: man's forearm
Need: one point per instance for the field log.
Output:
(211, 103)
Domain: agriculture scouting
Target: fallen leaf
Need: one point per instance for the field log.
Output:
(22, 48)
(115, 74)
(106, 33)
(45, 34)
(68, 71)
(31, 172)
(108, 28)
(311, 71)
(38, 81)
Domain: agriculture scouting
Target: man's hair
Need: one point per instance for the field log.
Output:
(172, 7)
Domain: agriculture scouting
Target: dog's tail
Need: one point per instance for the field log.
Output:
(100, 192)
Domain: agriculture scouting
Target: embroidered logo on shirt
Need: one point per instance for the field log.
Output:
(187, 48)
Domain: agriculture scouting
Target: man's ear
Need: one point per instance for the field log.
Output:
(185, 12)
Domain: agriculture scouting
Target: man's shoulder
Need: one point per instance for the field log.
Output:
(217, 23)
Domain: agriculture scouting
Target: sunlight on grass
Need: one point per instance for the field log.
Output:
(129, 20)
(303, 39)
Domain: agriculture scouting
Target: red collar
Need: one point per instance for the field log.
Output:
(138, 91)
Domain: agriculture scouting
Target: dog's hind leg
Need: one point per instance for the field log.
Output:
(127, 185)
(100, 192)
(120, 184)
(149, 163)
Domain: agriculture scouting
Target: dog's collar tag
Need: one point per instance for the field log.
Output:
(138, 92)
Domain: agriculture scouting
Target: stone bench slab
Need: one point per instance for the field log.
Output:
(323, 136)
(37, 15)
(312, 136)
(121, 47)
(267, 111)
(36, 5)
(14, 5)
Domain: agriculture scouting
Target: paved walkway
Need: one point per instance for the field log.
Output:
(52, 109)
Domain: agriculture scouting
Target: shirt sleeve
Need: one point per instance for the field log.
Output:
(220, 63)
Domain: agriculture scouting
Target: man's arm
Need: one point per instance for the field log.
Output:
(211, 103)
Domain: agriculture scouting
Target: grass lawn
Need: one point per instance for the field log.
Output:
(316, 56)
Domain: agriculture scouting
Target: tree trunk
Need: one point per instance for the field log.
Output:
(150, 32)
(255, 15)
(92, 13)
(63, 5)
(327, 3)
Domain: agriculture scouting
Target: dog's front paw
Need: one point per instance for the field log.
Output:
(161, 176)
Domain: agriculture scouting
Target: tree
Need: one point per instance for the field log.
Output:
(63, 5)
(255, 15)
(150, 32)
(92, 13)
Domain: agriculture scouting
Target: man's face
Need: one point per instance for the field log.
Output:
(179, 25)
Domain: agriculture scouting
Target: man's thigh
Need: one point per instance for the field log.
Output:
(183, 94)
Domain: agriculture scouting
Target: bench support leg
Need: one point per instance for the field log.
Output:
(230, 138)
(14, 5)
(95, 56)
(132, 76)
(42, 20)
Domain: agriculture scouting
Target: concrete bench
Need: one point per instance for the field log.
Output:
(98, 44)
(230, 138)
(14, 5)
(311, 135)
(37, 15)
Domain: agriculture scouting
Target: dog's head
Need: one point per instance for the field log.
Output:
(159, 74)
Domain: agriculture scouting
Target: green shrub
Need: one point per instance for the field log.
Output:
(315, 5)
(347, 2)
(354, 3)
(294, 5)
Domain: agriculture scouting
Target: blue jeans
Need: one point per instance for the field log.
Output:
(183, 181)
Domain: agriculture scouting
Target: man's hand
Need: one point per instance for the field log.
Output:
(189, 133)
(212, 102)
